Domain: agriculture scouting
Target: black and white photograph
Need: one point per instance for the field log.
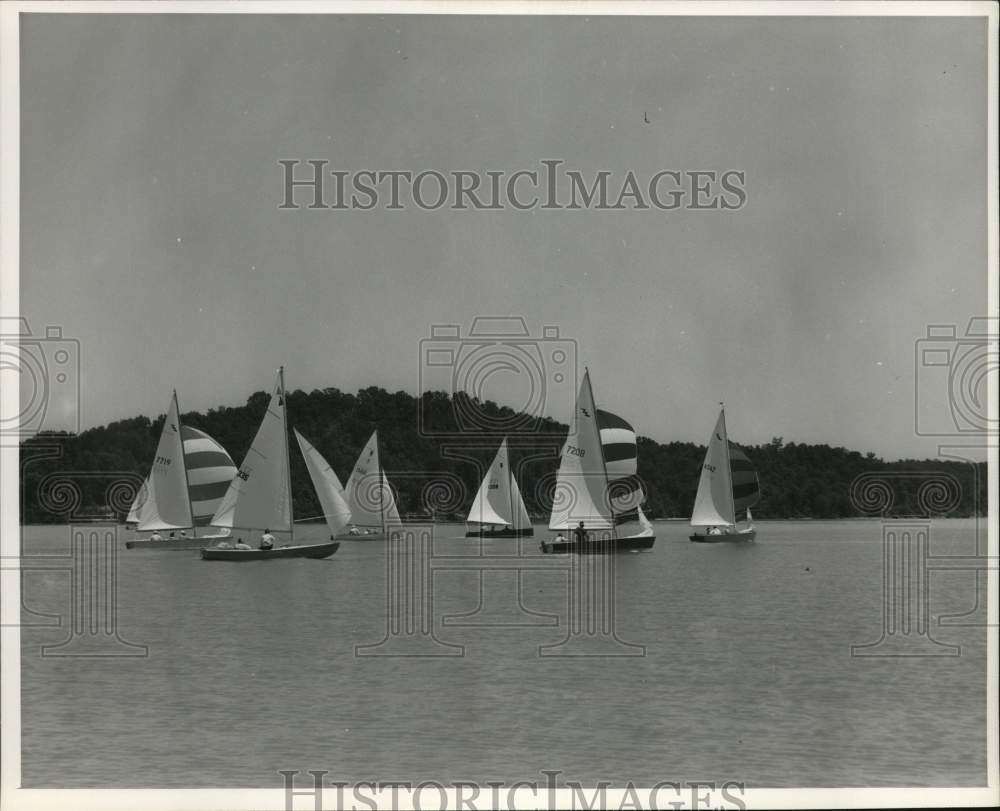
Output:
(496, 405)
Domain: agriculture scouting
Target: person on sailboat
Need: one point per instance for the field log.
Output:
(156, 536)
(267, 540)
(580, 534)
(239, 544)
(560, 538)
(714, 531)
(354, 530)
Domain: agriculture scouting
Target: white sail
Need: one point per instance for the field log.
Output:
(581, 485)
(327, 486)
(390, 513)
(364, 491)
(258, 496)
(166, 504)
(493, 503)
(713, 506)
(140, 499)
(521, 520)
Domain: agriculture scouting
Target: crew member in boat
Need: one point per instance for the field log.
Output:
(267, 540)
(714, 531)
(354, 530)
(580, 534)
(183, 533)
(560, 538)
(239, 544)
(156, 536)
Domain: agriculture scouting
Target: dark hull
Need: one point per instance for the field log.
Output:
(173, 543)
(506, 532)
(319, 550)
(725, 537)
(598, 547)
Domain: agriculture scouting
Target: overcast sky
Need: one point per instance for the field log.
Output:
(151, 229)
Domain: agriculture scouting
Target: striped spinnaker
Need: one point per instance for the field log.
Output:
(209, 469)
(621, 459)
(746, 485)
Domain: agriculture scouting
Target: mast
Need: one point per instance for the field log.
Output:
(510, 490)
(288, 459)
(729, 464)
(604, 463)
(187, 484)
(381, 484)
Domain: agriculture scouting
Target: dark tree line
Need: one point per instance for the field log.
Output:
(435, 466)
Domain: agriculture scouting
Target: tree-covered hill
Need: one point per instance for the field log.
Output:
(440, 467)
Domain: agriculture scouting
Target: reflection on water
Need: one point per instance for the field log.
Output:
(747, 673)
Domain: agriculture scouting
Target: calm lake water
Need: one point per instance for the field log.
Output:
(747, 673)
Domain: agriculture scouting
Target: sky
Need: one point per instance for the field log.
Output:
(152, 234)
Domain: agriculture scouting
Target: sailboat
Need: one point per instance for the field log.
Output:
(369, 497)
(597, 485)
(329, 490)
(190, 474)
(498, 510)
(728, 485)
(259, 497)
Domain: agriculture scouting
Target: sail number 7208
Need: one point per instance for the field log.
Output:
(574, 451)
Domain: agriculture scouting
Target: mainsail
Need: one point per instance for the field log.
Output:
(365, 497)
(499, 501)
(259, 495)
(728, 482)
(165, 503)
(327, 486)
(369, 495)
(582, 481)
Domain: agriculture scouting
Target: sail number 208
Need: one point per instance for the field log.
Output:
(574, 451)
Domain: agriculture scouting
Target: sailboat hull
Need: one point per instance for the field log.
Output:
(168, 544)
(739, 536)
(316, 551)
(599, 546)
(506, 532)
(371, 536)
